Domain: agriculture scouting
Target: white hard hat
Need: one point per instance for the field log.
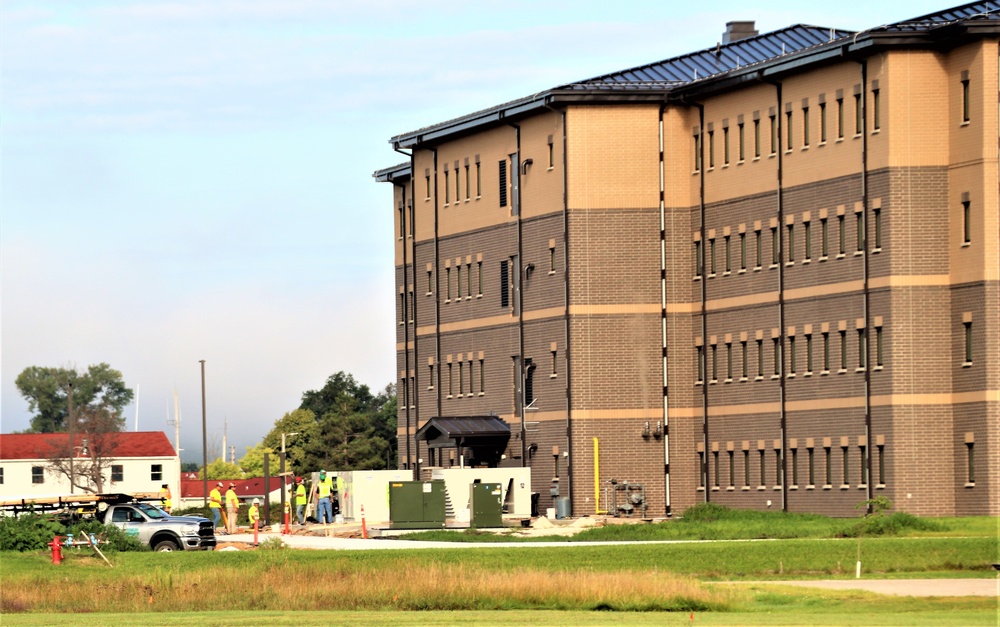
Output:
(256, 501)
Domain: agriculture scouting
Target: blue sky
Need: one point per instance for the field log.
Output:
(191, 180)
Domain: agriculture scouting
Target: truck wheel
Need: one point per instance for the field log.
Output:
(166, 546)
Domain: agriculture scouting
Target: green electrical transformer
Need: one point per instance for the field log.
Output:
(485, 505)
(416, 504)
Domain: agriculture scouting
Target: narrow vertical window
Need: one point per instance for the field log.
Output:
(777, 467)
(468, 183)
(711, 257)
(826, 352)
(811, 465)
(878, 347)
(965, 100)
(468, 279)
(427, 183)
(700, 350)
(774, 246)
(430, 281)
(756, 139)
(743, 348)
(858, 115)
(807, 236)
(715, 459)
(847, 466)
(402, 308)
(742, 149)
(805, 126)
(697, 258)
(809, 353)
(760, 359)
(777, 356)
(461, 379)
(791, 355)
(795, 467)
(458, 186)
(968, 342)
(430, 376)
(763, 468)
(774, 134)
(876, 111)
(746, 468)
(555, 371)
(729, 361)
(552, 154)
(702, 469)
(843, 350)
(451, 387)
(881, 464)
(725, 153)
(503, 182)
(505, 283)
(860, 226)
(458, 280)
(864, 464)
(966, 223)
(479, 179)
(829, 466)
(471, 380)
(447, 281)
(697, 152)
(715, 363)
(728, 265)
(877, 212)
(791, 243)
(711, 149)
(552, 259)
(788, 130)
(743, 251)
(840, 118)
(970, 462)
(824, 239)
(862, 350)
(402, 222)
(822, 122)
(410, 308)
(842, 237)
(758, 238)
(479, 276)
(732, 469)
(447, 188)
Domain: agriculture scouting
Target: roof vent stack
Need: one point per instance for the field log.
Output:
(736, 31)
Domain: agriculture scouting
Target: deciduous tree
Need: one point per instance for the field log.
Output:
(47, 391)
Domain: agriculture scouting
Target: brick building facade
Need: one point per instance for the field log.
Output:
(765, 274)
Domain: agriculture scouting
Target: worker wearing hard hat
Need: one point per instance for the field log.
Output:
(254, 514)
(215, 503)
(300, 500)
(232, 508)
(324, 490)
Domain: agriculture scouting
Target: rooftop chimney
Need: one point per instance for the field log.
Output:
(736, 31)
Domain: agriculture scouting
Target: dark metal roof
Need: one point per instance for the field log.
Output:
(973, 11)
(392, 173)
(721, 58)
(717, 67)
(463, 427)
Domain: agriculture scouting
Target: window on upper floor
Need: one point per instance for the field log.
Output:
(805, 126)
(503, 182)
(822, 122)
(965, 99)
(876, 111)
(156, 472)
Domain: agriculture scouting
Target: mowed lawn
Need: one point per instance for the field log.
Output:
(572, 585)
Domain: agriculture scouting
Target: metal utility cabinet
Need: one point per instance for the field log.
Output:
(416, 505)
(486, 505)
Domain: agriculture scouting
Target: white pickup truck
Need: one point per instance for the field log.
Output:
(161, 531)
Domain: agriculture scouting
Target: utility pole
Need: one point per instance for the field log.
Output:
(72, 451)
(282, 473)
(204, 438)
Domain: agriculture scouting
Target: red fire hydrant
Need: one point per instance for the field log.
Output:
(56, 550)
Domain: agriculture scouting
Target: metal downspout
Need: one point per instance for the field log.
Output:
(413, 310)
(782, 335)
(866, 254)
(703, 471)
(565, 270)
(663, 322)
(519, 296)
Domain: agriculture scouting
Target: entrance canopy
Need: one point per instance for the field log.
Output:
(485, 436)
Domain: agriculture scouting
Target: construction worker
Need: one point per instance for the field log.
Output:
(165, 498)
(232, 507)
(324, 489)
(300, 500)
(254, 514)
(215, 504)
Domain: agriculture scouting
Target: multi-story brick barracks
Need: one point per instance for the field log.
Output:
(763, 274)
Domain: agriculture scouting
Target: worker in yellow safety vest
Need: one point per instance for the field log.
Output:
(165, 497)
(324, 489)
(300, 500)
(232, 507)
(215, 504)
(254, 514)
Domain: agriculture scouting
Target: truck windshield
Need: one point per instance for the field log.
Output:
(152, 512)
